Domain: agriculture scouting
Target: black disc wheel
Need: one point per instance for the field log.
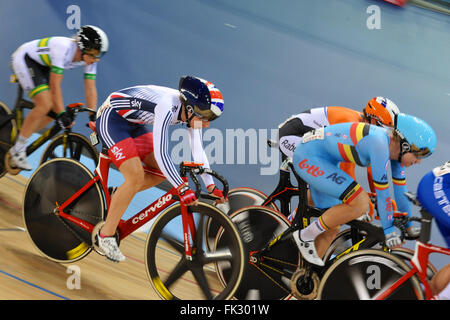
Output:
(365, 274)
(51, 185)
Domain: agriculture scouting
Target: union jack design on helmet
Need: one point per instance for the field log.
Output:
(203, 96)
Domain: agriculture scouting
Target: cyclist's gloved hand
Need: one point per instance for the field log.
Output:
(216, 192)
(64, 120)
(187, 196)
(393, 240)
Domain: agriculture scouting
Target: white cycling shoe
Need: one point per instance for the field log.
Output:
(110, 248)
(19, 160)
(307, 249)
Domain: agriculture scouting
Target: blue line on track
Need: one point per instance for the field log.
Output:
(34, 285)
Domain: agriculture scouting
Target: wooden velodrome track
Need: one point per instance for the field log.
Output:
(26, 274)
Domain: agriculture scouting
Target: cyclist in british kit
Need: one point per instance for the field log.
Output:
(433, 193)
(317, 157)
(39, 66)
(379, 111)
(122, 127)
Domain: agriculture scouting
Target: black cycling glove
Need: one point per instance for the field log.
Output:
(64, 120)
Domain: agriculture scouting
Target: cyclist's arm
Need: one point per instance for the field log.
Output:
(90, 89)
(90, 92)
(399, 181)
(161, 123)
(198, 153)
(378, 146)
(56, 91)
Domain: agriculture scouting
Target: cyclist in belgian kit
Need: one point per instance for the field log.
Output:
(39, 66)
(316, 160)
(122, 127)
(379, 111)
(433, 194)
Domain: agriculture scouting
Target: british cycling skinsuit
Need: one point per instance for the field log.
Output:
(433, 194)
(317, 156)
(122, 127)
(33, 61)
(292, 130)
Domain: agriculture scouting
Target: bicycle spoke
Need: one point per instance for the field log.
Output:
(199, 275)
(199, 233)
(177, 272)
(218, 255)
(174, 243)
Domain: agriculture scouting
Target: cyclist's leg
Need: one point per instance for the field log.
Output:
(36, 84)
(116, 135)
(325, 177)
(440, 284)
(144, 145)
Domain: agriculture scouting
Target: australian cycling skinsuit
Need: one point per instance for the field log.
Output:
(433, 194)
(292, 130)
(122, 126)
(317, 156)
(33, 61)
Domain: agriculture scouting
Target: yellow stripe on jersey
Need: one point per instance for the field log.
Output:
(399, 182)
(351, 154)
(45, 57)
(381, 186)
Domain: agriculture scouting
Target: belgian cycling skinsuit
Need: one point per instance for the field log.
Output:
(33, 61)
(122, 127)
(292, 130)
(317, 156)
(433, 194)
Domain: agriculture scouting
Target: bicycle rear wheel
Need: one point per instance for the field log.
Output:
(267, 276)
(364, 274)
(51, 184)
(7, 131)
(174, 276)
(74, 146)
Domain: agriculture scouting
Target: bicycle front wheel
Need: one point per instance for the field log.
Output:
(74, 146)
(51, 185)
(175, 276)
(365, 274)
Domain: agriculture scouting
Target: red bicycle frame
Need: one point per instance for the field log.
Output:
(419, 264)
(126, 227)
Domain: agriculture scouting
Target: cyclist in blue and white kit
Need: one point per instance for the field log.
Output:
(39, 66)
(433, 194)
(316, 160)
(122, 127)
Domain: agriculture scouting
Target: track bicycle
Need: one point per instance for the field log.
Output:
(65, 206)
(67, 144)
(275, 269)
(372, 274)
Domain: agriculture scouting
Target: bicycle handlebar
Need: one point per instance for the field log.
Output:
(194, 170)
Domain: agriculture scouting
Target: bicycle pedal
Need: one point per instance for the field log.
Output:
(9, 167)
(94, 240)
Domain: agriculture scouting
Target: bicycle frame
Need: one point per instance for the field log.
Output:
(419, 266)
(17, 115)
(126, 227)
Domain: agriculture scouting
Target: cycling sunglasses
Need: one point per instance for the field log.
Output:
(95, 54)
